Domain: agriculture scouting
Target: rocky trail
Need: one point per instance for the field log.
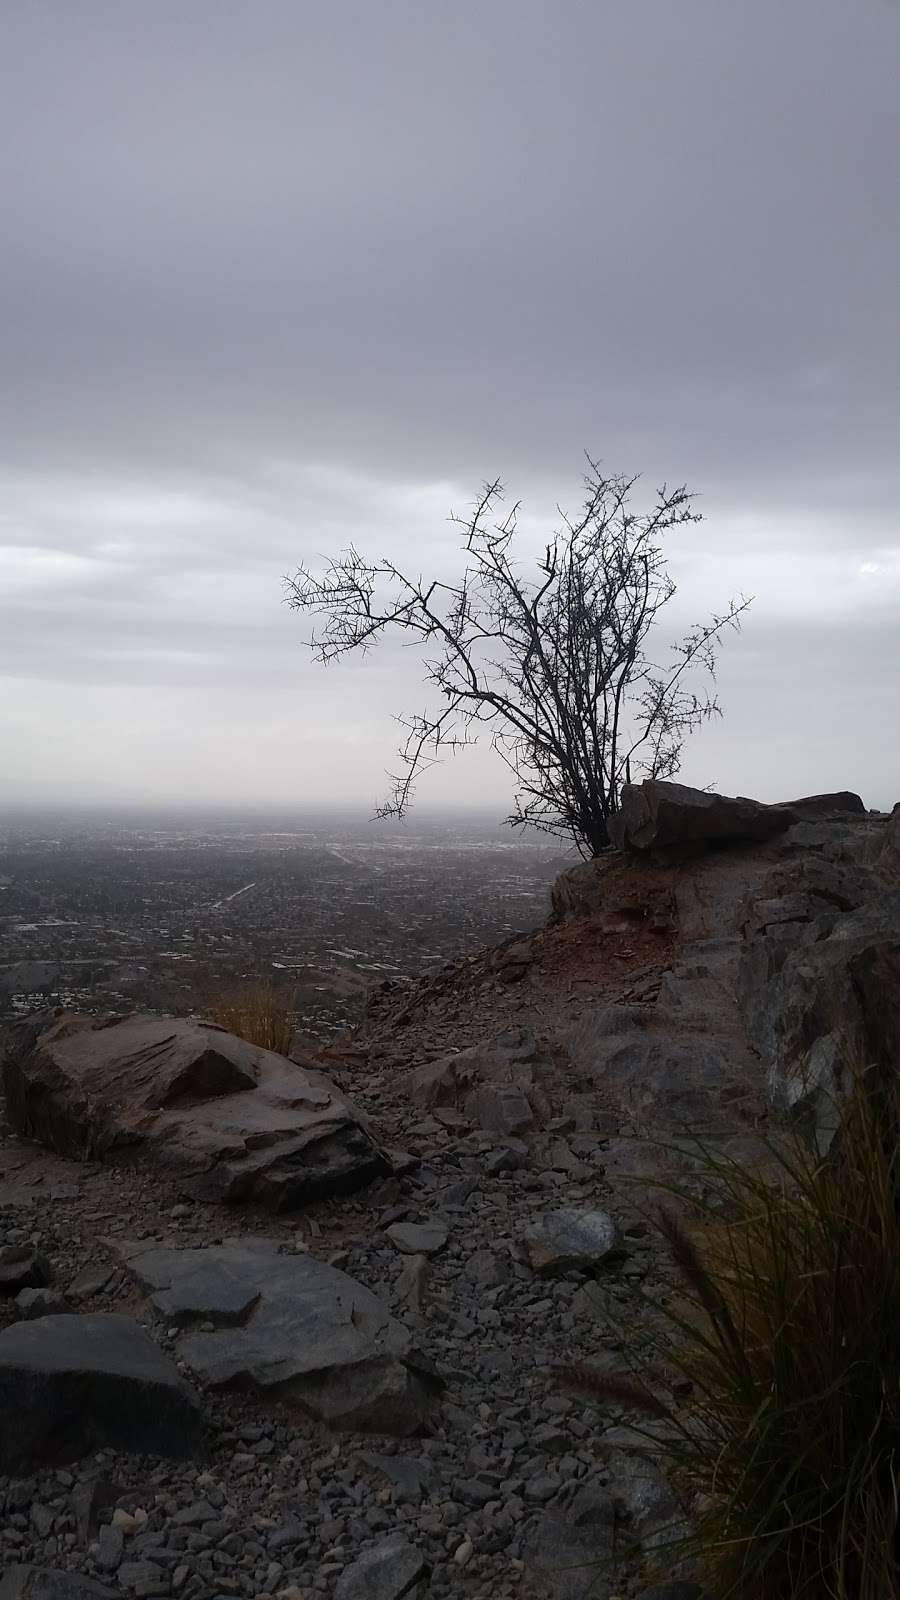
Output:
(288, 1330)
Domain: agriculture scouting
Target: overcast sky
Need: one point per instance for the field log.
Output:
(278, 274)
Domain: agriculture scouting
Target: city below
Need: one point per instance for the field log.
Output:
(107, 912)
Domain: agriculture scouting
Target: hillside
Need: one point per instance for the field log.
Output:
(480, 1156)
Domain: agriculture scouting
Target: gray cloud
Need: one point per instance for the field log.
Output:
(275, 276)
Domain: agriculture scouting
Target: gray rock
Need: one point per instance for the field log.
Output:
(236, 1122)
(656, 1061)
(391, 1571)
(655, 815)
(312, 1335)
(568, 1238)
(90, 1496)
(500, 1108)
(488, 1269)
(144, 1578)
(509, 1158)
(42, 1583)
(413, 1283)
(22, 1268)
(411, 1479)
(569, 1552)
(90, 1281)
(826, 805)
(418, 1238)
(71, 1384)
(110, 1547)
(640, 1491)
(32, 1303)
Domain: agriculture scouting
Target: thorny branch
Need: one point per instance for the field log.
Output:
(555, 667)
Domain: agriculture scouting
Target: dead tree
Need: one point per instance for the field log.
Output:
(554, 666)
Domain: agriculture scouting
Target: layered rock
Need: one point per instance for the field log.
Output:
(237, 1122)
(653, 815)
(767, 998)
(290, 1328)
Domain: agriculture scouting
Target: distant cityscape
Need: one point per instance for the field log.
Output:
(158, 911)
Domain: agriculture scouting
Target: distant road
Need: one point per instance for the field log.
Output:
(218, 904)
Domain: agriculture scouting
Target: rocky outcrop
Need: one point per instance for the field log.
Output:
(291, 1329)
(70, 1384)
(654, 815)
(659, 816)
(237, 1122)
(764, 999)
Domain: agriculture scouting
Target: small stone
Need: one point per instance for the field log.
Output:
(89, 1498)
(22, 1268)
(413, 1281)
(568, 1238)
(90, 1281)
(110, 1548)
(33, 1303)
(464, 1552)
(144, 1578)
(391, 1570)
(418, 1238)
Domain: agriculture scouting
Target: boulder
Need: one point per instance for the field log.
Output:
(291, 1328)
(71, 1384)
(568, 1238)
(237, 1122)
(654, 815)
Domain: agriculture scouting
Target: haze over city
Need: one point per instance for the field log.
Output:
(280, 277)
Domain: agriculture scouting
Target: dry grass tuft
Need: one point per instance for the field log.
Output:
(258, 1010)
(786, 1331)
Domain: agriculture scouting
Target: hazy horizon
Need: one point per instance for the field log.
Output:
(278, 278)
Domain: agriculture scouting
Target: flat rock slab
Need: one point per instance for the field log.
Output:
(43, 1583)
(71, 1384)
(394, 1570)
(418, 1238)
(292, 1327)
(237, 1122)
(566, 1239)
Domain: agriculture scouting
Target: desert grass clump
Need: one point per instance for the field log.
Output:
(258, 1010)
(784, 1329)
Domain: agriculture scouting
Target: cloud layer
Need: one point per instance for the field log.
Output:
(283, 275)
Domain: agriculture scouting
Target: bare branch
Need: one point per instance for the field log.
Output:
(555, 667)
